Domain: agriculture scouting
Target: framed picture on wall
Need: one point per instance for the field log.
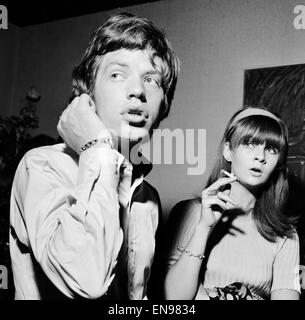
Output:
(281, 89)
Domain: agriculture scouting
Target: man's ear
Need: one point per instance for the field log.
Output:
(226, 152)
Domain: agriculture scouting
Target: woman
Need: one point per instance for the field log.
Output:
(235, 242)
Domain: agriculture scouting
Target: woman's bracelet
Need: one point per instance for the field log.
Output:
(191, 254)
(95, 141)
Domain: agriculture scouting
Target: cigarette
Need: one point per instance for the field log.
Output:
(228, 174)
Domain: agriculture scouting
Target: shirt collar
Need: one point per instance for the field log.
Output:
(141, 169)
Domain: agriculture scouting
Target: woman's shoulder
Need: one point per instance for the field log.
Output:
(187, 205)
(186, 212)
(291, 240)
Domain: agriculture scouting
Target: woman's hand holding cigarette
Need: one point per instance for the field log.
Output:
(214, 201)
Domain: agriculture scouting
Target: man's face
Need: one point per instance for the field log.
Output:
(128, 93)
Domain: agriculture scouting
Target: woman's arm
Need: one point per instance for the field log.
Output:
(182, 279)
(285, 294)
(199, 220)
(286, 279)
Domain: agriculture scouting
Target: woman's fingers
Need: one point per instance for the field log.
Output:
(226, 198)
(220, 182)
(215, 200)
(211, 196)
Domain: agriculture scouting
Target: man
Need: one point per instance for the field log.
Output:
(83, 220)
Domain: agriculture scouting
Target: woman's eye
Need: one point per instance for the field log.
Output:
(272, 150)
(248, 144)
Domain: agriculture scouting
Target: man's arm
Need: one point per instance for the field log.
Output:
(74, 233)
(155, 285)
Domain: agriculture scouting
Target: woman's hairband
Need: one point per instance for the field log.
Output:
(254, 112)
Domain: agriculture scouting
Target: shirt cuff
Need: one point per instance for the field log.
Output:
(99, 162)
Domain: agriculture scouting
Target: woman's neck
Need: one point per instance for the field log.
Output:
(242, 196)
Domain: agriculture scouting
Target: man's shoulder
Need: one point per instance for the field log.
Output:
(150, 189)
(51, 151)
(149, 186)
(57, 155)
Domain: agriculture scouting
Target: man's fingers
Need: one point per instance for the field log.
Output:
(70, 107)
(63, 119)
(74, 103)
(85, 102)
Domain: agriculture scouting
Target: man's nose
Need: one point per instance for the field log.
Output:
(136, 89)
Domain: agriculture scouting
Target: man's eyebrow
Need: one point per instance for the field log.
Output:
(150, 71)
(154, 71)
(116, 63)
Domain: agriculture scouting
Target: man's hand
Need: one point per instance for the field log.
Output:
(79, 123)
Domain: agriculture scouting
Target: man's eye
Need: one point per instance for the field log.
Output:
(152, 81)
(116, 76)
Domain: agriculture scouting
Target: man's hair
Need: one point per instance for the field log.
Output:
(127, 31)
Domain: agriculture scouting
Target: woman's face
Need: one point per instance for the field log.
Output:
(252, 164)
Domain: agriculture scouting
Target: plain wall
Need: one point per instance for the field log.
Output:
(216, 41)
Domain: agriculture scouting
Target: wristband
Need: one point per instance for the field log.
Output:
(95, 141)
(191, 254)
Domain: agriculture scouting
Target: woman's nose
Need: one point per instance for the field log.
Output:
(259, 153)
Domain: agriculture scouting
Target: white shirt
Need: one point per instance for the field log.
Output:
(66, 229)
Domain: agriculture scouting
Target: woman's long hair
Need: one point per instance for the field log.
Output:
(269, 211)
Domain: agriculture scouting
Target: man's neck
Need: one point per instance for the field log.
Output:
(129, 150)
(124, 146)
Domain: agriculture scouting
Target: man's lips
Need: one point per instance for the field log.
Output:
(135, 117)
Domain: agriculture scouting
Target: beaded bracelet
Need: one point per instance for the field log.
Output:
(191, 254)
(95, 141)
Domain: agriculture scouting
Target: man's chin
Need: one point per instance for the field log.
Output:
(136, 135)
(132, 138)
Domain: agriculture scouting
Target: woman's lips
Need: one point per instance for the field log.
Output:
(256, 172)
